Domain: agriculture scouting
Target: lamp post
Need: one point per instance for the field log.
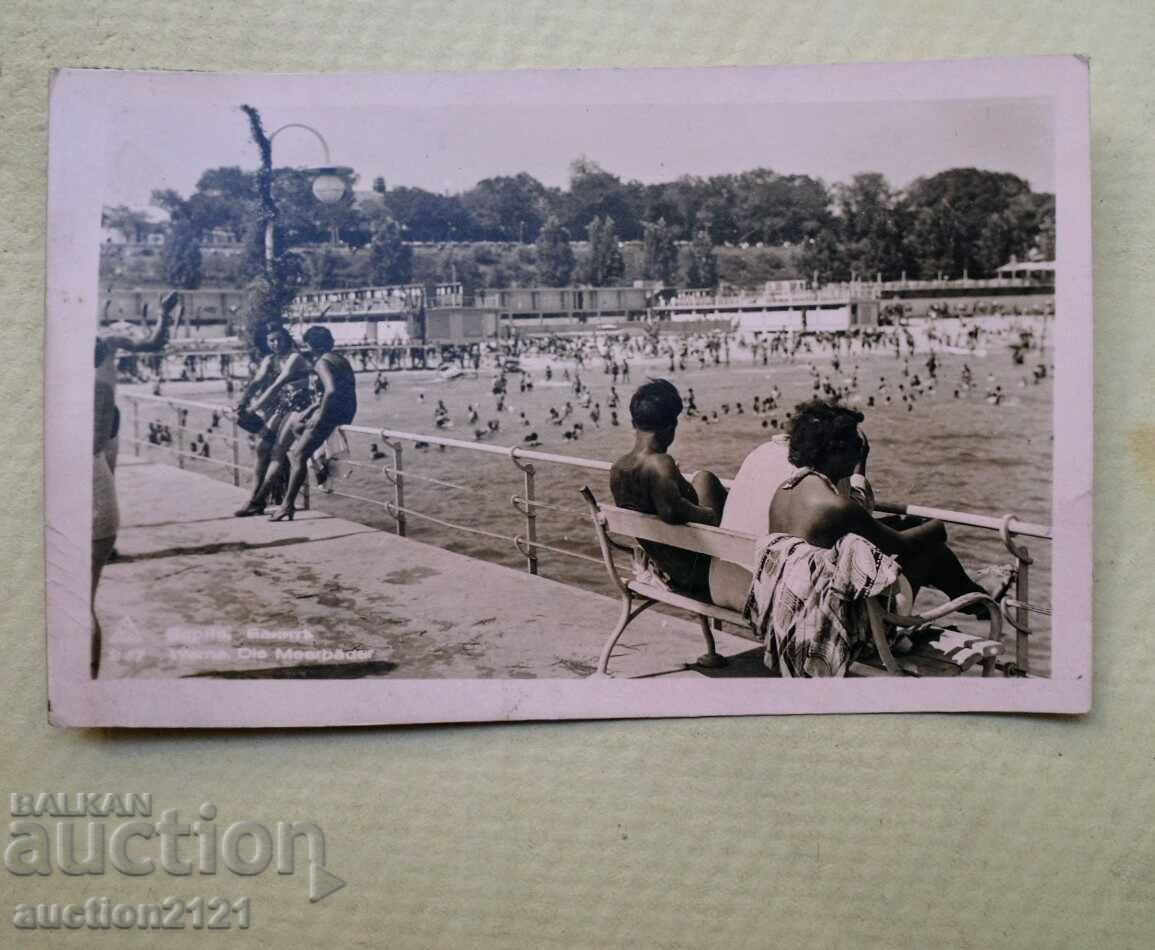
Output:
(268, 298)
(328, 186)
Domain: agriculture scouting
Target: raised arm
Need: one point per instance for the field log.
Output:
(159, 337)
(258, 382)
(858, 486)
(328, 387)
(664, 482)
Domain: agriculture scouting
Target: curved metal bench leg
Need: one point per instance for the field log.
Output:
(628, 615)
(711, 659)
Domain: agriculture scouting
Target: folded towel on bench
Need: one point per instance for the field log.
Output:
(809, 603)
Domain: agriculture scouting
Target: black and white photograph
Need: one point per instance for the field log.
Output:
(568, 395)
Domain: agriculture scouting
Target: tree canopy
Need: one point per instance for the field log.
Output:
(555, 256)
(960, 221)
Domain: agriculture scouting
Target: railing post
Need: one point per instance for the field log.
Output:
(179, 438)
(136, 427)
(1022, 612)
(236, 453)
(530, 519)
(1023, 563)
(398, 488)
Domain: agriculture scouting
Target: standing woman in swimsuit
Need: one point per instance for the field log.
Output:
(105, 511)
(335, 404)
(278, 390)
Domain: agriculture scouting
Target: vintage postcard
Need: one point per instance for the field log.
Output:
(578, 394)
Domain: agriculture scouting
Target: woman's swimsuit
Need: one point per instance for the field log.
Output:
(801, 474)
(342, 406)
(292, 397)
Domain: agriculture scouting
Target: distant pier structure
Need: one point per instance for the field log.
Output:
(790, 305)
(394, 315)
(446, 315)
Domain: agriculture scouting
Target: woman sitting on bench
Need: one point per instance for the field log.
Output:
(826, 553)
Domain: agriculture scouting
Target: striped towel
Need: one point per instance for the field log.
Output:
(808, 603)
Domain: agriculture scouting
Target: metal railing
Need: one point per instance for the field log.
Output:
(180, 448)
(964, 283)
(527, 504)
(834, 292)
(708, 300)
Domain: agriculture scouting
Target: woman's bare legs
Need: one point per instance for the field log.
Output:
(255, 505)
(937, 566)
(298, 456)
(101, 549)
(264, 457)
(277, 458)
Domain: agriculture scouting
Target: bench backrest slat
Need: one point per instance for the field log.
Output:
(732, 546)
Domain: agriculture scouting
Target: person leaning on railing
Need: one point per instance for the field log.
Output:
(278, 389)
(335, 404)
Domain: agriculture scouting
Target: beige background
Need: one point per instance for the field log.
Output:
(970, 831)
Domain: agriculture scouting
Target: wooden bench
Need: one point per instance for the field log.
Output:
(934, 651)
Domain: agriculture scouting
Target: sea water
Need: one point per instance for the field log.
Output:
(966, 454)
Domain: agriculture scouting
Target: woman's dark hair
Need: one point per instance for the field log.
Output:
(261, 333)
(820, 429)
(281, 332)
(319, 338)
(655, 406)
(101, 352)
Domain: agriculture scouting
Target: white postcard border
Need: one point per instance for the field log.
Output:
(82, 101)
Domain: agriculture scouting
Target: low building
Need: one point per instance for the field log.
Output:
(563, 308)
(782, 305)
(208, 311)
(1041, 273)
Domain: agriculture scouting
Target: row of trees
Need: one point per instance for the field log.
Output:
(961, 221)
(957, 223)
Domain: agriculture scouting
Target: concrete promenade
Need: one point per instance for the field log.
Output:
(196, 591)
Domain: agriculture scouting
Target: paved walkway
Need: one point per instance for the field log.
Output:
(196, 591)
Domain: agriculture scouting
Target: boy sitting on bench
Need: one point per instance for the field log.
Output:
(647, 479)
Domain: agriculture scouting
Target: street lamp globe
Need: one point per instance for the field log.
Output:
(328, 188)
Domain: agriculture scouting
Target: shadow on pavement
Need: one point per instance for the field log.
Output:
(311, 671)
(745, 664)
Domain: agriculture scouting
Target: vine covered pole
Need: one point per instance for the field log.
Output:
(268, 213)
(266, 294)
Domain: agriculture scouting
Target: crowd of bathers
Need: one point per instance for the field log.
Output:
(586, 373)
